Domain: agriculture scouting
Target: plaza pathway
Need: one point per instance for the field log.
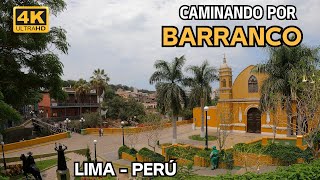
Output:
(108, 145)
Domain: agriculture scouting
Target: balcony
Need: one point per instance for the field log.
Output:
(63, 105)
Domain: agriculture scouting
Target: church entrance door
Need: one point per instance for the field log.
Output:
(254, 120)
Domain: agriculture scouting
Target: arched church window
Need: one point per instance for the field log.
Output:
(253, 84)
(224, 83)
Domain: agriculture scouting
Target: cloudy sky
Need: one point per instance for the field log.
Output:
(124, 36)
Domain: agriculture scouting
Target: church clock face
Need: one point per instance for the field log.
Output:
(254, 120)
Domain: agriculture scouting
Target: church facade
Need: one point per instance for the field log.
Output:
(237, 109)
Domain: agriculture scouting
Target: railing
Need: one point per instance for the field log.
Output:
(48, 126)
(74, 104)
(57, 119)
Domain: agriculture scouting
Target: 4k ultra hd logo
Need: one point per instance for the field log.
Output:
(30, 19)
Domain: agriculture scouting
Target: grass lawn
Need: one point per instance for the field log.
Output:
(198, 138)
(42, 165)
(14, 159)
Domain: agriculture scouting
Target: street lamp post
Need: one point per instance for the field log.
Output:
(82, 120)
(123, 123)
(4, 159)
(95, 151)
(206, 108)
(67, 121)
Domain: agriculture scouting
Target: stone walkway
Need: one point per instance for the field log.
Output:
(107, 146)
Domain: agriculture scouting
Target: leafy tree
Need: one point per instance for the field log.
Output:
(171, 96)
(69, 83)
(7, 113)
(27, 61)
(92, 120)
(284, 69)
(203, 75)
(155, 124)
(119, 108)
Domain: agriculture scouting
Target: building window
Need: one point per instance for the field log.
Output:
(224, 83)
(253, 84)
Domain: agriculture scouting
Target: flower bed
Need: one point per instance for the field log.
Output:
(13, 170)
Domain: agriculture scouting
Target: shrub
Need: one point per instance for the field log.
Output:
(153, 156)
(296, 171)
(88, 154)
(182, 152)
(204, 154)
(226, 157)
(287, 154)
(198, 138)
(128, 150)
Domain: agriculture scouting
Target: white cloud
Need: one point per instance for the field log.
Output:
(124, 36)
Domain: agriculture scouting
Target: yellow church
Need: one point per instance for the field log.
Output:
(237, 108)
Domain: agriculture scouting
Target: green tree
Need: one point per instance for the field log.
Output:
(7, 113)
(99, 81)
(119, 108)
(284, 68)
(82, 88)
(171, 96)
(203, 75)
(27, 61)
(69, 83)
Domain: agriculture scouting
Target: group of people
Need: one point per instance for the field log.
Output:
(29, 166)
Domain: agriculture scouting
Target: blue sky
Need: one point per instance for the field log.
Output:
(124, 37)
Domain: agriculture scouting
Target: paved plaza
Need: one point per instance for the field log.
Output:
(107, 146)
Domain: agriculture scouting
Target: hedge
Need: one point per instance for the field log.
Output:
(183, 152)
(287, 154)
(128, 150)
(153, 156)
(296, 171)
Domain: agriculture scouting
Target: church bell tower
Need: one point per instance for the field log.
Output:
(225, 78)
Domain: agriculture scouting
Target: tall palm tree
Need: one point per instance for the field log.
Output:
(170, 94)
(82, 88)
(99, 81)
(203, 75)
(284, 69)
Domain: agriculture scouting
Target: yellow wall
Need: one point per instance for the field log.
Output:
(130, 129)
(36, 141)
(240, 100)
(240, 85)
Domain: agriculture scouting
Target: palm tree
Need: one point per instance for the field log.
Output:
(82, 88)
(99, 81)
(284, 69)
(203, 75)
(170, 94)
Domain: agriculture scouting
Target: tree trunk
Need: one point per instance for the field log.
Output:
(202, 134)
(299, 121)
(174, 130)
(289, 118)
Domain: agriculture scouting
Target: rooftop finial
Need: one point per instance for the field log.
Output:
(224, 58)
